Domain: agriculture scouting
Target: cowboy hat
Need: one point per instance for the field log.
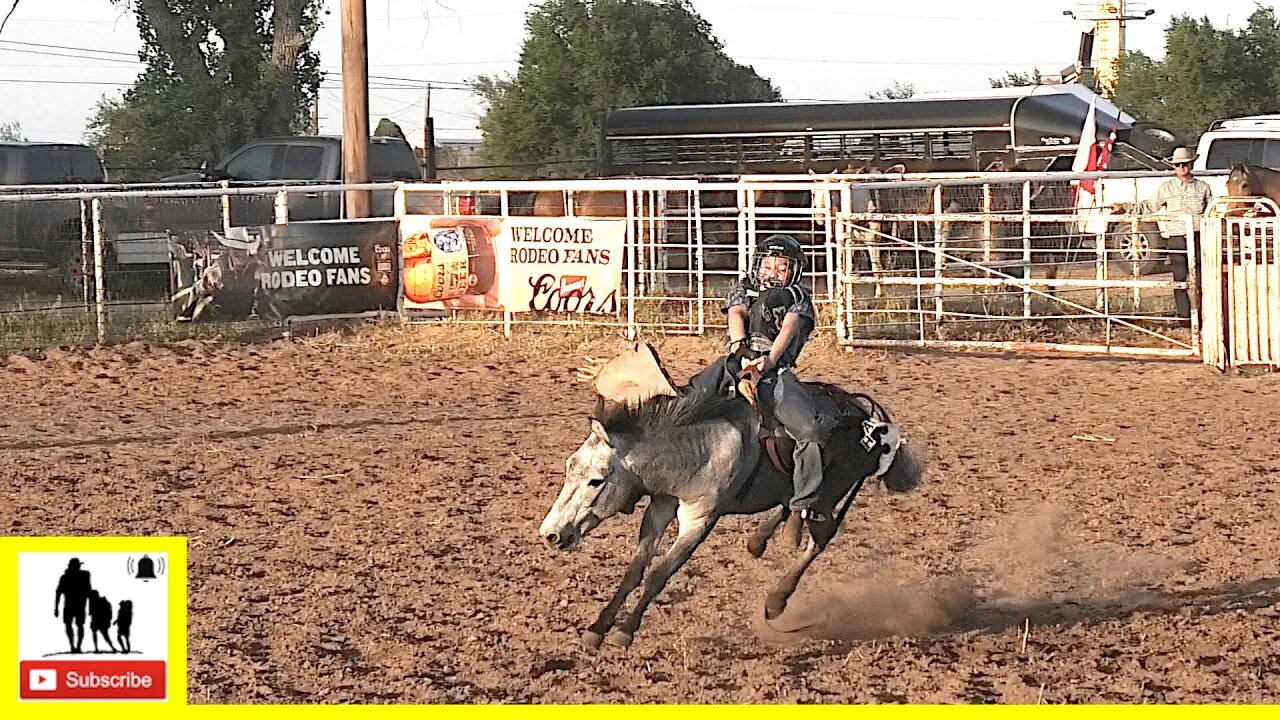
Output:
(1181, 155)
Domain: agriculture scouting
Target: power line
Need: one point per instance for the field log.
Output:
(337, 85)
(792, 10)
(81, 66)
(402, 106)
(393, 82)
(134, 56)
(1002, 63)
(423, 81)
(68, 55)
(458, 62)
(64, 82)
(65, 21)
(464, 116)
(373, 19)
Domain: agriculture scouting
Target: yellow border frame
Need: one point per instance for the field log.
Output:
(176, 667)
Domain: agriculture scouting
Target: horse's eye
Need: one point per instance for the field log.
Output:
(595, 482)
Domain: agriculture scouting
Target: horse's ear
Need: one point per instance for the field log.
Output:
(598, 429)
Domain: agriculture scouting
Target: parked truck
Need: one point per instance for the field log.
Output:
(45, 237)
(1254, 139)
(313, 161)
(305, 160)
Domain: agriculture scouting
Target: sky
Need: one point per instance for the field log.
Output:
(812, 49)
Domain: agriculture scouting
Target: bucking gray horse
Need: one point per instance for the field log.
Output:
(698, 457)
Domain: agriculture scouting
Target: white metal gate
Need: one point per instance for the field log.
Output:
(1241, 286)
(1007, 266)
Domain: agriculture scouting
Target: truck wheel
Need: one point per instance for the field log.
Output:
(71, 274)
(1138, 252)
(64, 244)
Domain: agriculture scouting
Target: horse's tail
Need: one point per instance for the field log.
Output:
(906, 471)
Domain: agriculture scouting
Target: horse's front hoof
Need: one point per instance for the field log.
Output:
(756, 547)
(620, 638)
(774, 606)
(591, 640)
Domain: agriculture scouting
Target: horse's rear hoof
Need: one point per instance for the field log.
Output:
(591, 640)
(792, 530)
(756, 547)
(620, 638)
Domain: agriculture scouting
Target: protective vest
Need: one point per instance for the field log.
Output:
(764, 321)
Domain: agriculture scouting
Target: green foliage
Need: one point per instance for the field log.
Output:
(1207, 74)
(896, 91)
(389, 128)
(11, 131)
(1017, 79)
(217, 74)
(582, 58)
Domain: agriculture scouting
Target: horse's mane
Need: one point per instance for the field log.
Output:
(1250, 168)
(663, 411)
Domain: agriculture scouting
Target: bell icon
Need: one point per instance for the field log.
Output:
(146, 569)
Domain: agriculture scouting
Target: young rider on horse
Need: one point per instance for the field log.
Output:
(770, 318)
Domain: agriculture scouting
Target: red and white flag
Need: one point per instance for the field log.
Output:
(1086, 159)
(1104, 155)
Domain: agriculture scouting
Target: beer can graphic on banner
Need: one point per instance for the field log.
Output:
(383, 263)
(447, 263)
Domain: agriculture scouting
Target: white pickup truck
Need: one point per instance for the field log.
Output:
(1254, 139)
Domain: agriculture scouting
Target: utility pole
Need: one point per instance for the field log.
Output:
(355, 106)
(315, 114)
(1108, 18)
(428, 139)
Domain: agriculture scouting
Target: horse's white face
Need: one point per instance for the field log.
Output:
(596, 487)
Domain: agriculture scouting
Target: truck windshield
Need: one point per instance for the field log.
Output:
(392, 160)
(52, 165)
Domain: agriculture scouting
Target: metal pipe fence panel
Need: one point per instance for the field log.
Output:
(1002, 260)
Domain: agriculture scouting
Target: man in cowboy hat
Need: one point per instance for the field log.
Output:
(1183, 195)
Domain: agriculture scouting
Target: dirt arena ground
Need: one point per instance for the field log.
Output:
(363, 513)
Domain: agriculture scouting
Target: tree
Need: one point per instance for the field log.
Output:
(217, 74)
(11, 131)
(1207, 74)
(1017, 79)
(896, 91)
(388, 128)
(581, 58)
(12, 8)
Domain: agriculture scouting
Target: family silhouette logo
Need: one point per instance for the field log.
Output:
(93, 625)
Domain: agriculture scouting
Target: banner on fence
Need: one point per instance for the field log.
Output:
(329, 268)
(521, 264)
(293, 270)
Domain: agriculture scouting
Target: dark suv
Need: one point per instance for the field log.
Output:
(45, 235)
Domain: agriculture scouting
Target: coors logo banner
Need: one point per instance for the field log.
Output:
(517, 263)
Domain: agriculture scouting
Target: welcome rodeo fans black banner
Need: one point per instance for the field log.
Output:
(329, 268)
(291, 270)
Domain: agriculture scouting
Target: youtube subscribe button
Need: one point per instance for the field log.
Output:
(92, 680)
